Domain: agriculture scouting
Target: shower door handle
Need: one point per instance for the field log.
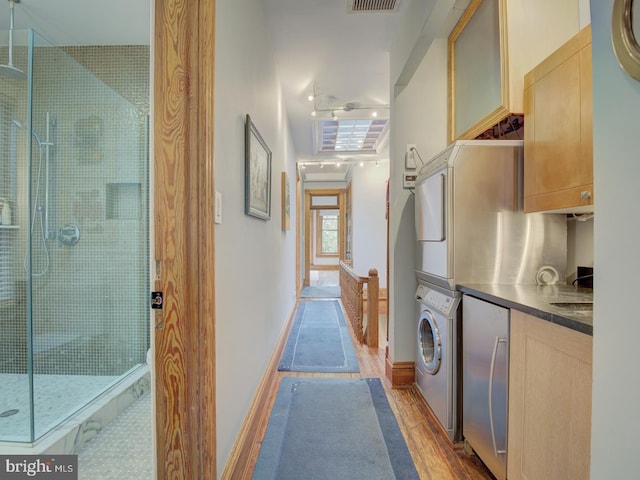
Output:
(157, 300)
(157, 304)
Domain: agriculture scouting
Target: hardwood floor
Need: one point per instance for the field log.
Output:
(433, 454)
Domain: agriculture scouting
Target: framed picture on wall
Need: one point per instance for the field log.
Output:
(257, 175)
(286, 202)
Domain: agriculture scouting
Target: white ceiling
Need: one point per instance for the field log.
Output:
(345, 56)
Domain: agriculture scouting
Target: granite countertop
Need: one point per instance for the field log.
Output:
(537, 300)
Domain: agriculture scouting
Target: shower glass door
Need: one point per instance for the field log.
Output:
(74, 321)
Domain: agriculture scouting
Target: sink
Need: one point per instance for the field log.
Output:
(578, 306)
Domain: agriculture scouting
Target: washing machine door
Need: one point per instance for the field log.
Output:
(429, 343)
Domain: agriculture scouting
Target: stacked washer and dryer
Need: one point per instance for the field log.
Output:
(470, 228)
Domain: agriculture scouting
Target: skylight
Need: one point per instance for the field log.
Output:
(350, 135)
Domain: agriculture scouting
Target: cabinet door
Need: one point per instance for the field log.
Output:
(558, 147)
(477, 63)
(586, 119)
(485, 360)
(549, 401)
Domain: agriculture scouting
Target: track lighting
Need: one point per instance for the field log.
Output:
(312, 96)
(339, 163)
(345, 107)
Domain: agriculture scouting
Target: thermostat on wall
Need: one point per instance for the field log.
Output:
(409, 179)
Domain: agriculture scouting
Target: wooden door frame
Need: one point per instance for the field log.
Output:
(183, 186)
(308, 195)
(298, 232)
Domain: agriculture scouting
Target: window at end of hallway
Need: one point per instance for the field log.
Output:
(329, 234)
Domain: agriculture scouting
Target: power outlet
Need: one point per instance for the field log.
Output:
(584, 277)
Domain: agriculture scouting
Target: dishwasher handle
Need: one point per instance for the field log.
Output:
(498, 341)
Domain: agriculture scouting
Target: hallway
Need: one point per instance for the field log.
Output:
(433, 455)
(322, 284)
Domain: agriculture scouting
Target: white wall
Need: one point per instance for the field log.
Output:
(616, 389)
(368, 189)
(250, 253)
(421, 23)
(420, 118)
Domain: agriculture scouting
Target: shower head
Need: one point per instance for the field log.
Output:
(21, 126)
(9, 70)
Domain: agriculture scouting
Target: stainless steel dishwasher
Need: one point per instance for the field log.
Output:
(485, 368)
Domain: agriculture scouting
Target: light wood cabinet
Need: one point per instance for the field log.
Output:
(490, 49)
(558, 136)
(550, 373)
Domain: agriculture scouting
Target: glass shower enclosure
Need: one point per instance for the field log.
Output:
(74, 237)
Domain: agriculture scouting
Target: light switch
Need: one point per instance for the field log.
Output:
(217, 218)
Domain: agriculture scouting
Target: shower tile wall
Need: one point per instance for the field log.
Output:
(97, 296)
(87, 307)
(125, 68)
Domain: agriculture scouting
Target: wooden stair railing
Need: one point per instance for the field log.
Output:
(352, 296)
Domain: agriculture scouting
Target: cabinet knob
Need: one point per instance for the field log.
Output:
(585, 195)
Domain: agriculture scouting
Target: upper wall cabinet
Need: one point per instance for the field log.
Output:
(492, 46)
(558, 130)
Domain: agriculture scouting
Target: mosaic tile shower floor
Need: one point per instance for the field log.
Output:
(124, 449)
(56, 396)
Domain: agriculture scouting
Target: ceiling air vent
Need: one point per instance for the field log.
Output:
(364, 6)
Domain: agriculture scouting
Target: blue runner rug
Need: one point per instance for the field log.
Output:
(319, 340)
(333, 428)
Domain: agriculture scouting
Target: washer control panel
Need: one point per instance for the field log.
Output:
(436, 300)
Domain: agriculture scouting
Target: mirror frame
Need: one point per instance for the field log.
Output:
(625, 45)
